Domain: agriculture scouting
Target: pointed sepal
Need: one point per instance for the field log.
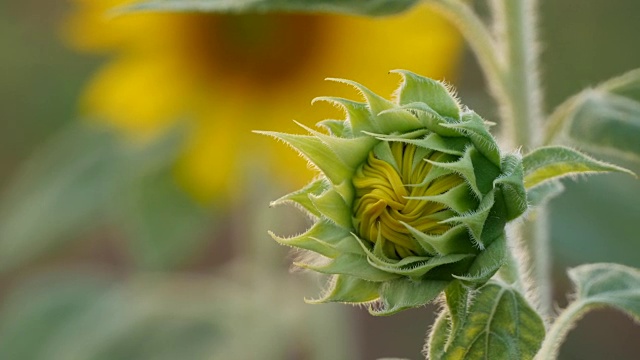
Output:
(348, 289)
(402, 294)
(437, 95)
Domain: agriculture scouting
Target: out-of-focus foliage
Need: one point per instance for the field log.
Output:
(603, 119)
(369, 7)
(110, 180)
(69, 184)
(228, 74)
(82, 314)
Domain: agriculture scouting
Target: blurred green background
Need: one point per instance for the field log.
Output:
(152, 275)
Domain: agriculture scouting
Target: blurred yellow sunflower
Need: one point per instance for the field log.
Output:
(230, 74)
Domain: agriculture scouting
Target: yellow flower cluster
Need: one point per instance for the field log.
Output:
(228, 74)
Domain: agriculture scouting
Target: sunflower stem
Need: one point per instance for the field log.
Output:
(479, 39)
(559, 330)
(521, 112)
(510, 272)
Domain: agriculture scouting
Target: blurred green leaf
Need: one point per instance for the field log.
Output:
(597, 285)
(68, 316)
(498, 324)
(359, 7)
(36, 311)
(544, 192)
(165, 225)
(555, 162)
(604, 119)
(66, 185)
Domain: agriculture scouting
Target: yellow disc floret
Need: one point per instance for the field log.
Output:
(389, 193)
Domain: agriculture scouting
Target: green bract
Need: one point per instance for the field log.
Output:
(414, 193)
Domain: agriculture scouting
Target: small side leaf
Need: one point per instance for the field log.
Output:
(357, 7)
(555, 162)
(609, 284)
(498, 324)
(597, 285)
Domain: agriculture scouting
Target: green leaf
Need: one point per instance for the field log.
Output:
(597, 285)
(165, 225)
(68, 185)
(555, 162)
(497, 324)
(358, 7)
(604, 119)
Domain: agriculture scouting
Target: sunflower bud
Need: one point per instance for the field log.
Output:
(414, 194)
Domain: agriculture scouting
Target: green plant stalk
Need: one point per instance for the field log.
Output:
(479, 39)
(522, 115)
(535, 234)
(516, 34)
(511, 271)
(558, 331)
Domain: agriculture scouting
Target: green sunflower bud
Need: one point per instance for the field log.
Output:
(414, 194)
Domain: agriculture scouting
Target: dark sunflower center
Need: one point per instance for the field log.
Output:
(388, 191)
(263, 48)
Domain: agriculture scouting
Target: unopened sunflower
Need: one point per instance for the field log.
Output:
(229, 74)
(413, 194)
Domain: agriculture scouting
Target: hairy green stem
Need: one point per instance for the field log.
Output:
(561, 327)
(535, 234)
(511, 272)
(479, 39)
(522, 118)
(516, 34)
